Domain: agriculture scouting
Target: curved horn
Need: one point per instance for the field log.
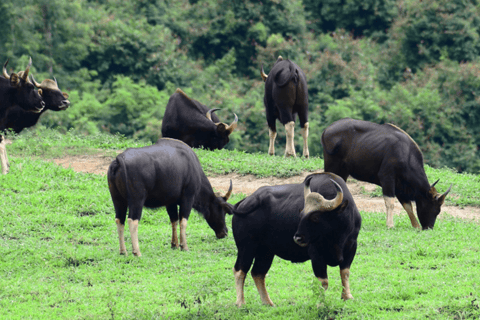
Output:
(27, 70)
(5, 74)
(35, 83)
(229, 192)
(56, 83)
(316, 202)
(264, 76)
(209, 113)
(441, 198)
(433, 185)
(232, 127)
(306, 189)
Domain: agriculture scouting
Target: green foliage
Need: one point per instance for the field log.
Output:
(361, 18)
(407, 62)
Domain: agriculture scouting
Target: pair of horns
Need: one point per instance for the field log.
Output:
(437, 194)
(316, 202)
(24, 76)
(229, 128)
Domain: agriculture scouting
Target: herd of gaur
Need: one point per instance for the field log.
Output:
(315, 220)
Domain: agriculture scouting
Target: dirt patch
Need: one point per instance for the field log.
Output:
(247, 184)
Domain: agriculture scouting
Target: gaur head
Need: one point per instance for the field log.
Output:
(54, 98)
(221, 136)
(25, 95)
(429, 206)
(217, 211)
(315, 207)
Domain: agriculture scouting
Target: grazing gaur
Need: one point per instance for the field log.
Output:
(386, 156)
(166, 174)
(16, 90)
(286, 95)
(55, 100)
(296, 223)
(190, 121)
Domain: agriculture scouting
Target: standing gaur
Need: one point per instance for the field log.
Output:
(296, 223)
(286, 95)
(16, 90)
(166, 174)
(386, 156)
(195, 124)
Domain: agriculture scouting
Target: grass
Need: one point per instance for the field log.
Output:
(60, 260)
(47, 143)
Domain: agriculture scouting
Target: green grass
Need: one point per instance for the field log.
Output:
(59, 259)
(48, 143)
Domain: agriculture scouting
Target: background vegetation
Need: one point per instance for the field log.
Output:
(411, 63)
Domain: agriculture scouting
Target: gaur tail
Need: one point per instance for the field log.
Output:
(121, 163)
(326, 149)
(285, 76)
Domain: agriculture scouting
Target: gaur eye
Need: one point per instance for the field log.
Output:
(315, 218)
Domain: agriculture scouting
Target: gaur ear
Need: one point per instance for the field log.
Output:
(14, 80)
(343, 206)
(65, 95)
(40, 92)
(228, 208)
(315, 216)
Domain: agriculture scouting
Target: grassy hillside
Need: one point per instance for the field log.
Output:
(60, 260)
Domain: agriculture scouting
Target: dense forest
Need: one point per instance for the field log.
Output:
(408, 62)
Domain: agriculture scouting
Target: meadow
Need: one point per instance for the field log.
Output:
(59, 250)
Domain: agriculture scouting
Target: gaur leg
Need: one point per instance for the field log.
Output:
(344, 275)
(272, 133)
(121, 207)
(413, 220)
(304, 132)
(172, 211)
(407, 205)
(319, 269)
(349, 251)
(290, 146)
(134, 215)
(262, 264)
(245, 256)
(185, 207)
(303, 117)
(3, 155)
(387, 182)
(389, 204)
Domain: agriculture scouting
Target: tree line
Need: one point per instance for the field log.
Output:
(414, 64)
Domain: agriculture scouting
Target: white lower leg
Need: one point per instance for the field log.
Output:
(408, 207)
(290, 146)
(324, 282)
(174, 234)
(344, 275)
(272, 135)
(121, 237)
(262, 290)
(183, 234)
(389, 203)
(239, 283)
(304, 132)
(133, 226)
(3, 155)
